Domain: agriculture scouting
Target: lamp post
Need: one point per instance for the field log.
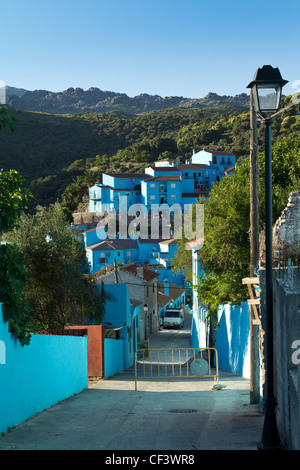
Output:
(266, 90)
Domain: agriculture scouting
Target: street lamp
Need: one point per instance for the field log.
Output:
(266, 88)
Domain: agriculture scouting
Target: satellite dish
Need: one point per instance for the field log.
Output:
(199, 367)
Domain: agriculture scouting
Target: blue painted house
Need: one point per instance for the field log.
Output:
(158, 254)
(167, 182)
(121, 313)
(221, 160)
(94, 235)
(162, 189)
(104, 254)
(105, 197)
(148, 250)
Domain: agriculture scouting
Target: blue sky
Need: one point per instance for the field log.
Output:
(166, 47)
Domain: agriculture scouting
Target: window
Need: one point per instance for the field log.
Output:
(128, 253)
(186, 174)
(214, 160)
(152, 197)
(173, 197)
(102, 257)
(173, 185)
(228, 160)
(152, 185)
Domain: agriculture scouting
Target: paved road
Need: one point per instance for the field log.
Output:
(179, 415)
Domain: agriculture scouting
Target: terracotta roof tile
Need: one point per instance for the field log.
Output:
(117, 244)
(148, 274)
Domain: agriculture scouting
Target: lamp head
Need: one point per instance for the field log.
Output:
(266, 87)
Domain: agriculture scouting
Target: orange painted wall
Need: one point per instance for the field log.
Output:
(95, 349)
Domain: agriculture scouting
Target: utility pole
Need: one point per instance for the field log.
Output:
(116, 271)
(254, 253)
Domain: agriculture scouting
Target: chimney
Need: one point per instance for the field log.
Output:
(166, 287)
(140, 272)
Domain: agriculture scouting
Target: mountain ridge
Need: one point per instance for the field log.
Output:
(77, 100)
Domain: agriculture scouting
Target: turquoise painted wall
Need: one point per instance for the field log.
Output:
(34, 377)
(118, 311)
(198, 333)
(232, 339)
(113, 356)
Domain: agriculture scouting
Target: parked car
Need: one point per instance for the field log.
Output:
(173, 318)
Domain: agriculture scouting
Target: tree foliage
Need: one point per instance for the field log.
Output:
(14, 198)
(50, 151)
(58, 288)
(225, 255)
(6, 119)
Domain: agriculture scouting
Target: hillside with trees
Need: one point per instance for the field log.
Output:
(60, 156)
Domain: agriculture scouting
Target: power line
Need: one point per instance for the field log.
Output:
(158, 286)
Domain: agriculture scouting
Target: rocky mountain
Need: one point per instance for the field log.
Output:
(76, 100)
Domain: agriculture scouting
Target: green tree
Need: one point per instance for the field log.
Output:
(59, 289)
(182, 260)
(225, 255)
(14, 198)
(226, 251)
(7, 120)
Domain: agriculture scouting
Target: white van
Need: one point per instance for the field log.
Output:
(173, 318)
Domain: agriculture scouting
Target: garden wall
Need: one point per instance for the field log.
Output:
(232, 339)
(34, 377)
(113, 357)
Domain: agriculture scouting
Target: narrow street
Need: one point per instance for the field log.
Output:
(172, 337)
(177, 414)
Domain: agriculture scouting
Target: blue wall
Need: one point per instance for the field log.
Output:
(198, 333)
(94, 236)
(232, 339)
(145, 247)
(113, 356)
(118, 311)
(111, 255)
(35, 377)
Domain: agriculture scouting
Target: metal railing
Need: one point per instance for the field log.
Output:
(173, 363)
